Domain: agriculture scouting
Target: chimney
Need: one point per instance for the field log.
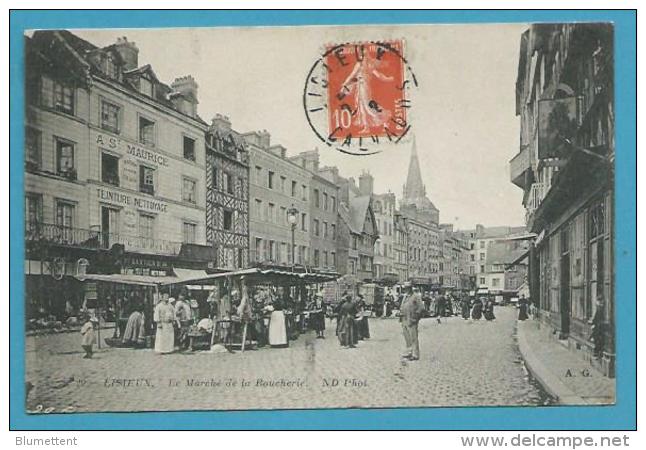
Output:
(187, 87)
(366, 183)
(128, 52)
(265, 138)
(221, 122)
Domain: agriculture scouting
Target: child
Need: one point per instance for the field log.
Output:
(88, 339)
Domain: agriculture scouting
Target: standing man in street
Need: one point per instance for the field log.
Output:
(411, 312)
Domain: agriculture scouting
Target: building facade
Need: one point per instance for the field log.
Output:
(323, 212)
(400, 247)
(478, 241)
(565, 101)
(277, 184)
(385, 206)
(227, 195)
(114, 160)
(422, 220)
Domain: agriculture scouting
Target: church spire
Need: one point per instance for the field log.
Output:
(414, 187)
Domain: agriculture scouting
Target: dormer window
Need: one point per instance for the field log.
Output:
(111, 69)
(146, 86)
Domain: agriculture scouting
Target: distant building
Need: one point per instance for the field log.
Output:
(400, 247)
(357, 232)
(227, 195)
(479, 242)
(422, 220)
(323, 212)
(276, 185)
(565, 167)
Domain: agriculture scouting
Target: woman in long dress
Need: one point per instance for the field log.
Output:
(164, 317)
(476, 311)
(466, 306)
(522, 308)
(488, 312)
(134, 333)
(277, 326)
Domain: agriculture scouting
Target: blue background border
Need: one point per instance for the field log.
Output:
(620, 416)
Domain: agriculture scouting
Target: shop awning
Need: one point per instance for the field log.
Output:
(256, 274)
(139, 280)
(188, 274)
(518, 259)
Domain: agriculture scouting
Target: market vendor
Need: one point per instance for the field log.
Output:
(184, 317)
(317, 315)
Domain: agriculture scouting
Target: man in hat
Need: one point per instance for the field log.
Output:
(183, 316)
(411, 312)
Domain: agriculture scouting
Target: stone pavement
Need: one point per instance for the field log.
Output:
(462, 363)
(564, 375)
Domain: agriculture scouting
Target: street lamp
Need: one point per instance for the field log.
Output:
(292, 218)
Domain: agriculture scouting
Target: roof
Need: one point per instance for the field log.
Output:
(76, 51)
(505, 253)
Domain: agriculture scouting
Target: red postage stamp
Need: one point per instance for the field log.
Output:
(366, 90)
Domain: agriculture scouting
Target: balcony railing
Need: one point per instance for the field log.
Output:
(52, 234)
(518, 165)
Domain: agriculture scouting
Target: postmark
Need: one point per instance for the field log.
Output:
(357, 96)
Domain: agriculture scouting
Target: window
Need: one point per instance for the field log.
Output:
(270, 179)
(258, 174)
(189, 190)
(110, 117)
(293, 188)
(147, 226)
(473, 257)
(333, 203)
(258, 249)
(65, 158)
(271, 212)
(189, 148)
(304, 192)
(316, 227)
(227, 182)
(325, 230)
(146, 86)
(214, 178)
(65, 214)
(472, 246)
(63, 98)
(316, 198)
(495, 282)
(354, 242)
(482, 244)
(333, 231)
(482, 269)
(189, 231)
(146, 131)
(283, 215)
(227, 220)
(147, 180)
(482, 280)
(283, 184)
(333, 258)
(111, 69)
(258, 210)
(325, 200)
(326, 261)
(316, 257)
(33, 211)
(303, 221)
(109, 169)
(33, 147)
(482, 256)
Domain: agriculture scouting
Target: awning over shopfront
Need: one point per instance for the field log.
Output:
(258, 275)
(139, 280)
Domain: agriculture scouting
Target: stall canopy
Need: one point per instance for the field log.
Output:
(259, 275)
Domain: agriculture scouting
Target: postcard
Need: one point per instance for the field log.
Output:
(314, 217)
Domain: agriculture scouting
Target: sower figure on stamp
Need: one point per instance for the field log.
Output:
(411, 312)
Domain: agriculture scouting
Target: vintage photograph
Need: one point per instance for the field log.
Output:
(308, 217)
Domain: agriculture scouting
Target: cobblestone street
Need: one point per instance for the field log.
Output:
(462, 363)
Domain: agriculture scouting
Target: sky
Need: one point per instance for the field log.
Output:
(462, 115)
